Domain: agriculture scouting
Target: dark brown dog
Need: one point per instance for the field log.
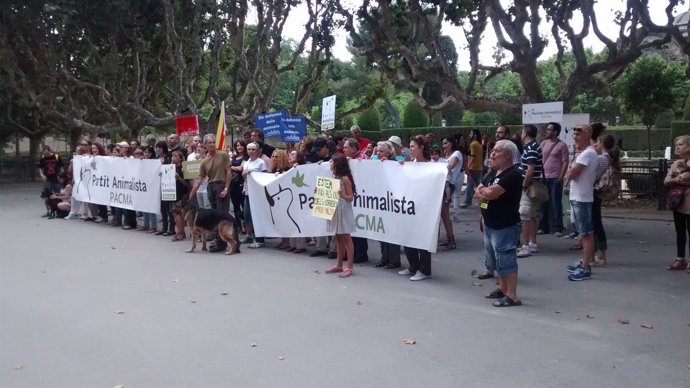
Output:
(203, 222)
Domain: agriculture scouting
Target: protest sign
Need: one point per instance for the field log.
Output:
(294, 129)
(125, 183)
(187, 125)
(270, 123)
(190, 169)
(394, 203)
(168, 192)
(326, 197)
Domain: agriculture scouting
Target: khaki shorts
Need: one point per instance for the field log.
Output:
(529, 208)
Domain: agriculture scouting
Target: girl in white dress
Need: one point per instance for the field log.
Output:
(343, 222)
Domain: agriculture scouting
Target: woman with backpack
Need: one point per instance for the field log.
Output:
(606, 188)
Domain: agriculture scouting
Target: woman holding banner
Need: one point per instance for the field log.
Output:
(390, 253)
(419, 259)
(255, 163)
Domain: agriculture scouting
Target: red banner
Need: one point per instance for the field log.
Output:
(187, 125)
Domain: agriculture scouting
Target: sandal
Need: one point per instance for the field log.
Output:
(576, 247)
(380, 263)
(443, 243)
(347, 272)
(507, 301)
(678, 265)
(495, 294)
(334, 269)
(392, 266)
(177, 238)
(450, 245)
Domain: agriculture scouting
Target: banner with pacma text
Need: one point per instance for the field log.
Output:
(126, 183)
(395, 203)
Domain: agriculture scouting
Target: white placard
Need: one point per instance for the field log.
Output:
(542, 113)
(399, 204)
(328, 113)
(569, 122)
(168, 191)
(125, 183)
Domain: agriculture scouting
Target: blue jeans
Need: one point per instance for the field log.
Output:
(472, 182)
(500, 248)
(150, 221)
(554, 207)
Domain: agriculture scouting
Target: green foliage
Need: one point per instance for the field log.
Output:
(484, 118)
(468, 118)
(369, 120)
(678, 128)
(436, 119)
(647, 88)
(686, 110)
(576, 109)
(415, 116)
(664, 119)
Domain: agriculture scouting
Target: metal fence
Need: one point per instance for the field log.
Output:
(645, 178)
(13, 169)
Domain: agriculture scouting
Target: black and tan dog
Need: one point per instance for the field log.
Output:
(203, 222)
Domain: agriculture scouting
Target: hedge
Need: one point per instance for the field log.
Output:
(678, 128)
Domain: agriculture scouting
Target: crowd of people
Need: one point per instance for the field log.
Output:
(517, 182)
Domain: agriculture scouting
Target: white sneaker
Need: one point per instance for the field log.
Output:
(419, 276)
(534, 248)
(255, 245)
(69, 217)
(558, 234)
(405, 272)
(524, 252)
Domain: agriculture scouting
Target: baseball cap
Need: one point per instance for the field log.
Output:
(395, 140)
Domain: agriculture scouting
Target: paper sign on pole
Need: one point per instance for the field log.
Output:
(328, 113)
(542, 113)
(168, 192)
(326, 197)
(190, 169)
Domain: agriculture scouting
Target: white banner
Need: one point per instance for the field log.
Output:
(399, 204)
(542, 113)
(125, 183)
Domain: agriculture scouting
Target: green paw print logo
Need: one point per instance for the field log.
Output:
(298, 180)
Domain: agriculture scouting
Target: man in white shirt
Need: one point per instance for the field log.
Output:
(196, 140)
(582, 174)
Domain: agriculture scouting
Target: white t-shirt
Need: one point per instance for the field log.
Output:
(191, 157)
(455, 172)
(582, 187)
(252, 165)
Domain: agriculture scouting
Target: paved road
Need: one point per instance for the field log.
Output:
(62, 282)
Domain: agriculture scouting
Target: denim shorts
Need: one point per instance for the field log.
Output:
(582, 211)
(500, 248)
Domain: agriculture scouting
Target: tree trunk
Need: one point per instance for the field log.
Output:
(649, 142)
(74, 137)
(33, 151)
(394, 113)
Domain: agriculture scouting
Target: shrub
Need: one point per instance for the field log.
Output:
(369, 120)
(686, 112)
(436, 119)
(664, 119)
(678, 128)
(415, 116)
(576, 109)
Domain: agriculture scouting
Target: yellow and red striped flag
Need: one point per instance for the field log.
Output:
(220, 132)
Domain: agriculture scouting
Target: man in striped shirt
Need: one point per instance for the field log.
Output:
(531, 167)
